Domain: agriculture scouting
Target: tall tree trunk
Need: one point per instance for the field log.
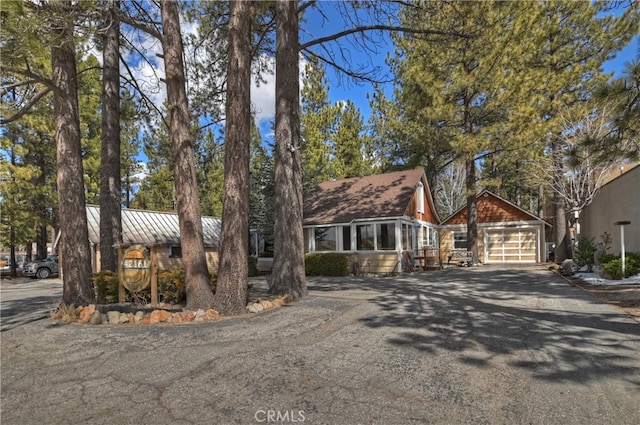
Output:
(199, 294)
(233, 269)
(559, 213)
(288, 259)
(74, 239)
(472, 209)
(470, 172)
(110, 184)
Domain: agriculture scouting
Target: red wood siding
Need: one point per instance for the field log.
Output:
(412, 209)
(491, 210)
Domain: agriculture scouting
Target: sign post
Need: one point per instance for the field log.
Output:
(622, 253)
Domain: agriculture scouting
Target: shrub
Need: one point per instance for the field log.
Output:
(171, 286)
(106, 285)
(584, 252)
(612, 268)
(607, 258)
(331, 264)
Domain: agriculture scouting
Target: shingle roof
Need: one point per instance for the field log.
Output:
(376, 196)
(152, 227)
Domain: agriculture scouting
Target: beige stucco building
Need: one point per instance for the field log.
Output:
(617, 201)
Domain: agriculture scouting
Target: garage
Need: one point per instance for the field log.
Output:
(507, 234)
(511, 246)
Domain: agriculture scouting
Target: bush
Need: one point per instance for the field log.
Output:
(331, 264)
(106, 285)
(584, 252)
(612, 268)
(171, 286)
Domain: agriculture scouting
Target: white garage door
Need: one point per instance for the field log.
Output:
(511, 246)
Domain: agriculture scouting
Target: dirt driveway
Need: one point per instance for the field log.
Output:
(481, 346)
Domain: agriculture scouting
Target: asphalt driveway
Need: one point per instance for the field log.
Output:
(481, 346)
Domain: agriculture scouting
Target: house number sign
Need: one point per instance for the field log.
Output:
(136, 268)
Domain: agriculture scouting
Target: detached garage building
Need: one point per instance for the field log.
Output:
(506, 232)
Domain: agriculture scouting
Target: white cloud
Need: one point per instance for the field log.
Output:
(263, 96)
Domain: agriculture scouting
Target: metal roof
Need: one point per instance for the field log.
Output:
(152, 227)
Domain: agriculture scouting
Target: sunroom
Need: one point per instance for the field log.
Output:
(375, 246)
(385, 223)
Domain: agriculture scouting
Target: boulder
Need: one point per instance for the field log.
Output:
(113, 316)
(200, 316)
(86, 312)
(211, 314)
(95, 318)
(137, 318)
(158, 316)
(255, 308)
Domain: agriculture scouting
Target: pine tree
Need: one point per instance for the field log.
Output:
(110, 152)
(317, 122)
(288, 262)
(232, 288)
(455, 89)
(572, 42)
(350, 146)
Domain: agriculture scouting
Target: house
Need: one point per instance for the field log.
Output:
(157, 231)
(506, 232)
(373, 219)
(616, 201)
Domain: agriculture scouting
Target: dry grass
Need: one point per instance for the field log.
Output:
(66, 314)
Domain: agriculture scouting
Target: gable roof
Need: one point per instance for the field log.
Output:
(376, 196)
(492, 209)
(152, 227)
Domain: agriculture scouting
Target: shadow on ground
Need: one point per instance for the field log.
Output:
(533, 317)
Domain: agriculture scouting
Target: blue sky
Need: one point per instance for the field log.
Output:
(329, 21)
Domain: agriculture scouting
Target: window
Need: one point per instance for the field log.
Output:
(429, 236)
(365, 237)
(175, 252)
(420, 195)
(460, 240)
(407, 237)
(346, 238)
(386, 236)
(325, 238)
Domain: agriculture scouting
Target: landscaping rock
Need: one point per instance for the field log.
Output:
(86, 312)
(158, 316)
(266, 304)
(211, 314)
(200, 316)
(113, 316)
(137, 318)
(95, 318)
(255, 308)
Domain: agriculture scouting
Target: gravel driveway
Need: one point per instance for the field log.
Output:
(458, 346)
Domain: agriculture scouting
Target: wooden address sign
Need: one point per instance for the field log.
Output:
(136, 268)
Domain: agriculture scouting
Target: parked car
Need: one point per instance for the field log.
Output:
(42, 269)
(5, 270)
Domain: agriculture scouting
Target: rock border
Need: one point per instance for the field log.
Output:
(93, 316)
